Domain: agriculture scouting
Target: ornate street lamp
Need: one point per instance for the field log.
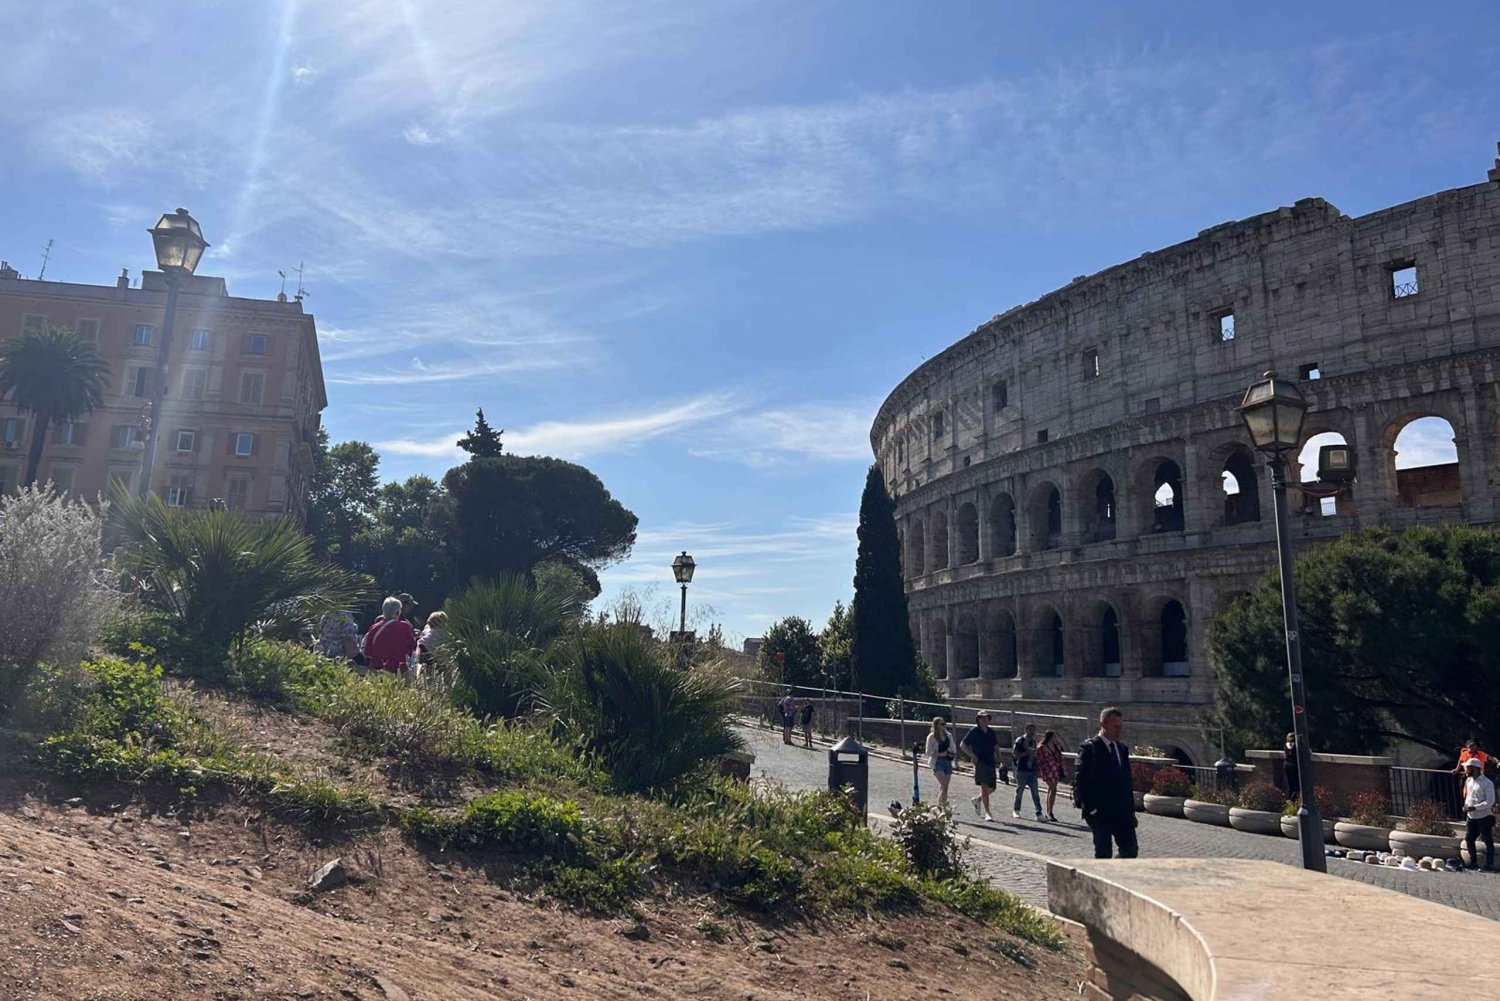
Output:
(179, 247)
(1273, 410)
(682, 569)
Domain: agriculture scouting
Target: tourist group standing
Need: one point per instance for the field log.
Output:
(392, 643)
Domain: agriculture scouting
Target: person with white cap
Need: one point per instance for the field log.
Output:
(1479, 812)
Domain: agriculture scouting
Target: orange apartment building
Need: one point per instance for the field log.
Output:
(244, 393)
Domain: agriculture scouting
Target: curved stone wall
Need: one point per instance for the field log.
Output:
(1060, 473)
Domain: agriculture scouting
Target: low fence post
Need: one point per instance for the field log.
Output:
(901, 709)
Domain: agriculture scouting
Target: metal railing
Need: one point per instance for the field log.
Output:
(1414, 785)
(1403, 290)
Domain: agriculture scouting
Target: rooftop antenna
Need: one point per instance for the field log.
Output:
(283, 285)
(46, 256)
(302, 292)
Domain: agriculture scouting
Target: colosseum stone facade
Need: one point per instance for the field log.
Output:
(1077, 496)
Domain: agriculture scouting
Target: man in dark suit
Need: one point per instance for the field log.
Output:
(1101, 787)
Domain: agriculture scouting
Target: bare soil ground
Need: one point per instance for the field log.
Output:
(106, 895)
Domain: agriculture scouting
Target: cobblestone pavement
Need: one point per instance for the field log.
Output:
(1012, 853)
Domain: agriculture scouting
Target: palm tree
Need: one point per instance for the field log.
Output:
(56, 376)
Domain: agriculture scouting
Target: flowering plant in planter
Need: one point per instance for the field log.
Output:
(1427, 817)
(1262, 796)
(1171, 782)
(1369, 808)
(1141, 775)
(1323, 799)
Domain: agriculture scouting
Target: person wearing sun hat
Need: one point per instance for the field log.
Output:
(1479, 814)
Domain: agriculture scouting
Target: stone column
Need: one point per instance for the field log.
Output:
(986, 532)
(1474, 460)
(949, 654)
(1373, 490)
(989, 641)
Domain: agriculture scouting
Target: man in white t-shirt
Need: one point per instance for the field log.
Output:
(1479, 812)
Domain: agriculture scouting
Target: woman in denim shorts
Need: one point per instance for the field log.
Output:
(941, 750)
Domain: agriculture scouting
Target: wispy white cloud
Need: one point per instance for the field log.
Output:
(813, 431)
(419, 372)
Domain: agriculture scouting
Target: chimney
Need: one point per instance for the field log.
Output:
(6, 271)
(124, 280)
(1495, 174)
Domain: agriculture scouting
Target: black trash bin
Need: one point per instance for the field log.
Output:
(849, 767)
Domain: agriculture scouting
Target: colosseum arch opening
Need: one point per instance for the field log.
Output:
(1101, 640)
(939, 549)
(1044, 516)
(916, 550)
(1423, 456)
(1007, 663)
(966, 647)
(1241, 489)
(967, 524)
(1307, 462)
(1099, 493)
(1164, 634)
(1003, 525)
(1167, 504)
(1048, 652)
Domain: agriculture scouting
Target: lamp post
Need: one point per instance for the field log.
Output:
(179, 247)
(682, 569)
(1273, 410)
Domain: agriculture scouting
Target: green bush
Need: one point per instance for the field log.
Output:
(1369, 808)
(1211, 794)
(500, 633)
(1261, 796)
(511, 819)
(617, 696)
(286, 673)
(1171, 782)
(929, 840)
(1427, 817)
(216, 575)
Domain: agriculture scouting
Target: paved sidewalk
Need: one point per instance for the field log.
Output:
(1012, 852)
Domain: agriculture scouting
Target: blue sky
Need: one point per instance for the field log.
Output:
(693, 245)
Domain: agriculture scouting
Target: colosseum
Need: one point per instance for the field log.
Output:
(1077, 495)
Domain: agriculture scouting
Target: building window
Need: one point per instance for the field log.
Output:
(69, 433)
(937, 425)
(259, 344)
(179, 491)
(142, 336)
(137, 380)
(33, 323)
(236, 492)
(1152, 406)
(194, 381)
(1404, 279)
(187, 441)
(200, 340)
(1041, 436)
(251, 384)
(1223, 325)
(1091, 363)
(1309, 372)
(15, 430)
(123, 436)
(87, 330)
(62, 478)
(1000, 396)
(244, 443)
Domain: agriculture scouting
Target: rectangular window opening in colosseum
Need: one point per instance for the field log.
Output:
(1001, 396)
(1091, 363)
(1404, 279)
(1224, 324)
(1310, 372)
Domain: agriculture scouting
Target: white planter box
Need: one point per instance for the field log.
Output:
(1205, 813)
(1370, 839)
(1254, 821)
(1162, 806)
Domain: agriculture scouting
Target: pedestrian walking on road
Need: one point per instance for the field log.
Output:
(981, 744)
(1049, 765)
(807, 718)
(940, 754)
(787, 708)
(1101, 788)
(1479, 814)
(1023, 752)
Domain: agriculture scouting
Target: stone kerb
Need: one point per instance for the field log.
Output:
(1217, 929)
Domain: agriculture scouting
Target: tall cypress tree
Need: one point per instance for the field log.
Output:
(885, 658)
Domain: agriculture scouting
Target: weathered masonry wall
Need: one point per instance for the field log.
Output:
(1060, 472)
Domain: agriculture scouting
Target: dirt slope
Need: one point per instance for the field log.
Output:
(117, 904)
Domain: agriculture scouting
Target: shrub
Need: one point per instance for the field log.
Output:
(215, 575)
(1211, 794)
(1171, 782)
(1427, 817)
(499, 635)
(1261, 796)
(1323, 799)
(929, 840)
(285, 673)
(516, 820)
(1141, 775)
(53, 593)
(616, 695)
(1369, 808)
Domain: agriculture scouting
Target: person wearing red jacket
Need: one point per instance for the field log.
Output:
(391, 640)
